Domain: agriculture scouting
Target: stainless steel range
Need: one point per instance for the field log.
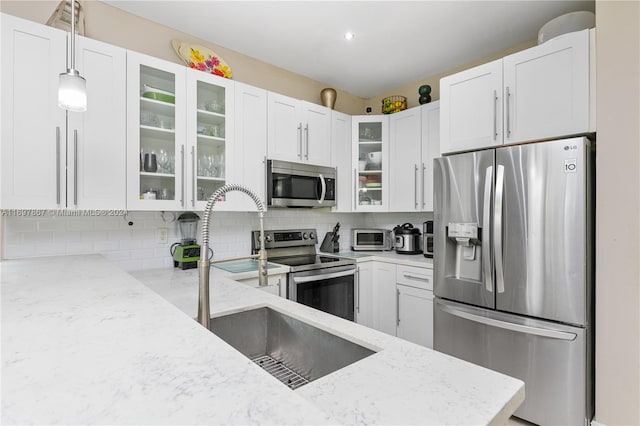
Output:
(323, 282)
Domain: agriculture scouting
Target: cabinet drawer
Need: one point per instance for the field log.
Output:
(415, 277)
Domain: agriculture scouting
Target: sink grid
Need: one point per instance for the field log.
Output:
(281, 372)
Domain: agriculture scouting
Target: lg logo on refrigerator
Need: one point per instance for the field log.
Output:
(570, 165)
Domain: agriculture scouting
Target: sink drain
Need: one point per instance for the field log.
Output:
(281, 372)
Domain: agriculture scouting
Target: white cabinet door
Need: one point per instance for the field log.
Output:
(341, 159)
(285, 128)
(546, 89)
(471, 108)
(430, 114)
(385, 291)
(316, 134)
(365, 294)
(33, 126)
(156, 125)
(250, 144)
(405, 162)
(209, 139)
(415, 315)
(275, 284)
(370, 156)
(97, 138)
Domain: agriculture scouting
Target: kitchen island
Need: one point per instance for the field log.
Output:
(84, 342)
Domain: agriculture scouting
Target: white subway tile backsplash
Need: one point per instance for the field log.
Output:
(137, 246)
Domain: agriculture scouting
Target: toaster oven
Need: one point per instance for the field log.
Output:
(371, 239)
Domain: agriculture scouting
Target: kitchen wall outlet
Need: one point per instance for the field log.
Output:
(163, 235)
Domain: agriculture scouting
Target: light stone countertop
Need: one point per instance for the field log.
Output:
(387, 256)
(83, 342)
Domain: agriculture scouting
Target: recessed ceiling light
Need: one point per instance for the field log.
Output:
(349, 36)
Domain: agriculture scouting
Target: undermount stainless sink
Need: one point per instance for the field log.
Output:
(289, 349)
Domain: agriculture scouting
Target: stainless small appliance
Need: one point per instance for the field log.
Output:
(514, 273)
(407, 239)
(371, 239)
(427, 238)
(186, 253)
(327, 283)
(300, 185)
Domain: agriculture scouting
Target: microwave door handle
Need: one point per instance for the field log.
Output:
(323, 190)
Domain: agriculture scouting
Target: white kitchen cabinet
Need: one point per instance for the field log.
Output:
(375, 305)
(414, 136)
(370, 156)
(414, 301)
(415, 315)
(47, 161)
(546, 89)
(276, 284)
(298, 131)
(185, 118)
(209, 139)
(430, 114)
(250, 145)
(405, 155)
(471, 108)
(543, 92)
(341, 160)
(96, 175)
(365, 294)
(156, 107)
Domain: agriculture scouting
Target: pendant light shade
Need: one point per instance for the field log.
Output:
(72, 91)
(72, 88)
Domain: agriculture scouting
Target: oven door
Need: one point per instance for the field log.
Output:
(331, 290)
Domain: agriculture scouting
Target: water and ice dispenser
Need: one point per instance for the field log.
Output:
(463, 239)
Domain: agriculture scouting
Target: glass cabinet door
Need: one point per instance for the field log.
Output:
(371, 156)
(155, 145)
(209, 111)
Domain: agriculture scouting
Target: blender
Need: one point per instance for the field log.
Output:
(186, 253)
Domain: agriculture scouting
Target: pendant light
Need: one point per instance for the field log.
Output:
(72, 87)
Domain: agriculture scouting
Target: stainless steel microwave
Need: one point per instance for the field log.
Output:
(300, 185)
(371, 239)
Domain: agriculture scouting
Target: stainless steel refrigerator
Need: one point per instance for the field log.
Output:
(513, 268)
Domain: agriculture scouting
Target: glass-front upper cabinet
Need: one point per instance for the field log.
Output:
(210, 133)
(156, 148)
(370, 135)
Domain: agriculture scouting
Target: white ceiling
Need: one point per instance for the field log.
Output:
(396, 42)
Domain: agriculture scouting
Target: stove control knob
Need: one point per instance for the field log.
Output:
(305, 236)
(312, 235)
(267, 238)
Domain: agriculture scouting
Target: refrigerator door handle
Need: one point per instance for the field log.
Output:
(527, 329)
(497, 228)
(486, 239)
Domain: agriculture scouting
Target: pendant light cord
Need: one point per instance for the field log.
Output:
(73, 34)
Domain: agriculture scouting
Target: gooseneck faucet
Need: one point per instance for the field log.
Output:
(204, 264)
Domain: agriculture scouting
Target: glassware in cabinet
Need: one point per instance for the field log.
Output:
(371, 152)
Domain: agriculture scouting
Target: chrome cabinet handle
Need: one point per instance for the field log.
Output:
(397, 307)
(508, 96)
(495, 115)
(416, 277)
(355, 188)
(424, 186)
(75, 167)
(358, 290)
(415, 188)
(193, 181)
(300, 141)
(306, 132)
(497, 228)
(486, 231)
(58, 166)
(183, 180)
(279, 287)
